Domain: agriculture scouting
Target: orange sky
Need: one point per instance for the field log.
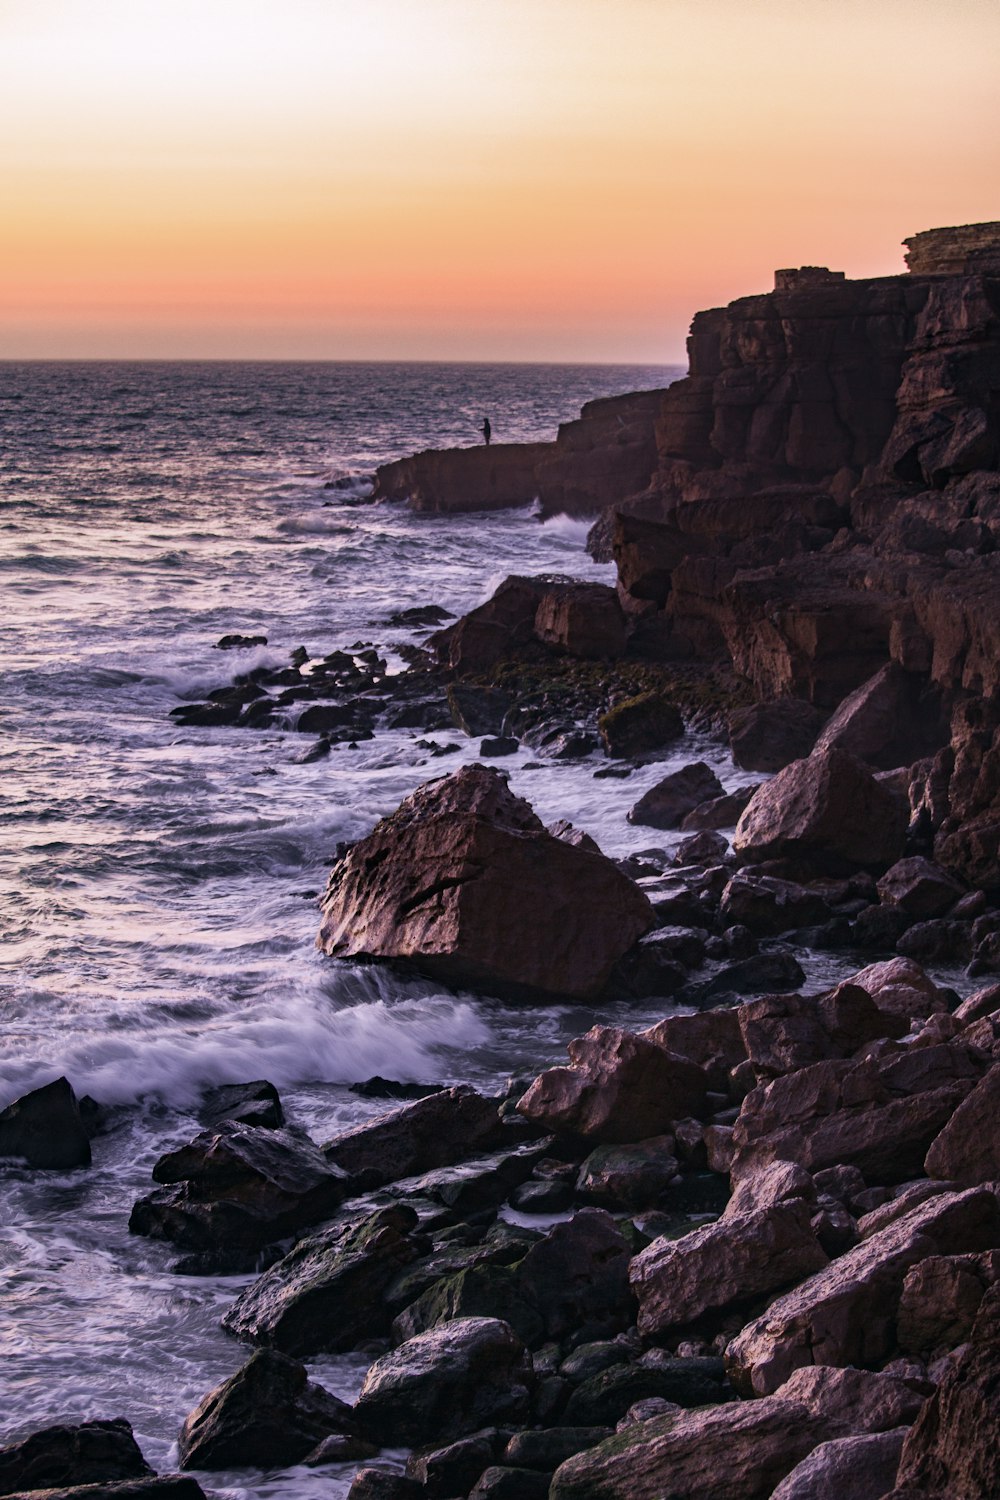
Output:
(463, 179)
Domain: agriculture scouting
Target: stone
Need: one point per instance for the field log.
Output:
(86, 1453)
(447, 1383)
(783, 1033)
(951, 1450)
(828, 808)
(769, 906)
(778, 1182)
(670, 800)
(478, 710)
(739, 1257)
(628, 1177)
(246, 1103)
(710, 1038)
(769, 736)
(640, 725)
(778, 971)
(162, 1487)
(44, 1129)
(234, 1190)
(445, 481)
(900, 987)
(719, 812)
(605, 1398)
(940, 1299)
(582, 619)
(618, 1088)
(846, 1314)
(734, 1452)
(453, 1469)
(436, 1131)
(547, 1449)
(384, 1484)
(862, 1467)
(865, 1401)
(919, 887)
(577, 1276)
(967, 1149)
(465, 884)
(266, 1416)
(327, 1293)
(882, 722)
(707, 848)
(502, 1482)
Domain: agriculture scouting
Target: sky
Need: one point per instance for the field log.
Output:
(467, 179)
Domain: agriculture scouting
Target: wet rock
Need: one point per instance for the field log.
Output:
(829, 809)
(266, 1416)
(438, 1130)
(629, 1177)
(670, 800)
(919, 887)
(846, 1314)
(591, 1358)
(739, 1257)
(618, 1088)
(502, 745)
(162, 1487)
(447, 1383)
(769, 736)
(640, 725)
(464, 883)
(478, 710)
(604, 1399)
(237, 1188)
(240, 642)
(719, 812)
(967, 1150)
(862, 1467)
(769, 906)
(246, 1103)
(390, 1088)
(577, 1276)
(734, 1452)
(652, 966)
(454, 1469)
(45, 1130)
(88, 1453)
(547, 1449)
(780, 971)
(328, 1292)
(420, 615)
(384, 1484)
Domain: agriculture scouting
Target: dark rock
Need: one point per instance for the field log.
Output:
(44, 1129)
(265, 1416)
(640, 725)
(863, 1467)
(384, 1484)
(670, 800)
(883, 721)
(447, 1383)
(779, 972)
(420, 615)
(478, 710)
(919, 887)
(390, 1088)
(547, 1449)
(505, 745)
(240, 642)
(769, 736)
(454, 1469)
(605, 1398)
(769, 906)
(461, 881)
(90, 1453)
(445, 1127)
(706, 848)
(162, 1487)
(246, 1103)
(502, 1482)
(628, 1177)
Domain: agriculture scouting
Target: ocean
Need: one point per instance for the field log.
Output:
(158, 884)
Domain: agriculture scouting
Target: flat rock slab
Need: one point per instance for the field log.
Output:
(863, 1468)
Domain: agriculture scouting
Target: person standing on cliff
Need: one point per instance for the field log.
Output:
(487, 430)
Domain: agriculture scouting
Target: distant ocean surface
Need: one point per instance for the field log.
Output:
(158, 884)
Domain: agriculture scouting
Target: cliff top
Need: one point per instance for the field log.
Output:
(954, 251)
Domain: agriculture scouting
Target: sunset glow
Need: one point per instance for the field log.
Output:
(503, 179)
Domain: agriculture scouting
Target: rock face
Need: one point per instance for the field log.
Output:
(448, 480)
(464, 883)
(45, 1130)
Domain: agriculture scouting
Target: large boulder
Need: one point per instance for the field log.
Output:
(44, 1128)
(919, 887)
(464, 883)
(829, 809)
(582, 619)
(769, 736)
(640, 725)
(88, 1453)
(670, 800)
(882, 721)
(266, 1416)
(862, 1467)
(618, 1088)
(739, 1257)
(448, 1383)
(967, 1150)
(436, 1131)
(846, 1314)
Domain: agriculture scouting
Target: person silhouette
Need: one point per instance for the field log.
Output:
(487, 430)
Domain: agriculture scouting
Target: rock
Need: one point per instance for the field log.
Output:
(640, 725)
(328, 1292)
(719, 812)
(498, 629)
(501, 1482)
(900, 988)
(236, 1189)
(951, 1449)
(447, 1383)
(437, 1130)
(778, 1182)
(445, 481)
(706, 848)
(769, 736)
(783, 1033)
(494, 748)
(378, 1087)
(583, 619)
(750, 976)
(44, 1129)
(739, 1257)
(846, 1314)
(769, 906)
(828, 808)
(246, 1103)
(618, 1088)
(883, 722)
(563, 829)
(733, 1452)
(384, 1484)
(628, 1177)
(967, 1150)
(163, 1487)
(577, 1276)
(710, 1038)
(454, 1469)
(478, 710)
(864, 1401)
(547, 1449)
(862, 1467)
(919, 887)
(266, 1416)
(464, 883)
(940, 1300)
(670, 800)
(240, 642)
(605, 1398)
(88, 1453)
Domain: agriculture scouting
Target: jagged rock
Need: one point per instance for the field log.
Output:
(88, 1453)
(768, 906)
(710, 1038)
(246, 1103)
(437, 1130)
(448, 480)
(236, 1189)
(44, 1129)
(940, 1299)
(882, 722)
(733, 1452)
(577, 1275)
(328, 1292)
(582, 619)
(780, 971)
(769, 736)
(666, 803)
(731, 1261)
(967, 1149)
(707, 848)
(719, 812)
(266, 1416)
(464, 883)
(861, 1467)
(447, 1383)
(919, 887)
(454, 1469)
(630, 1177)
(951, 1450)
(605, 1398)
(162, 1487)
(846, 1314)
(778, 1182)
(864, 1401)
(640, 725)
(783, 1033)
(900, 988)
(547, 1449)
(828, 808)
(618, 1088)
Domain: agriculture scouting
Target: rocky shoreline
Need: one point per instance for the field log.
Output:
(754, 1249)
